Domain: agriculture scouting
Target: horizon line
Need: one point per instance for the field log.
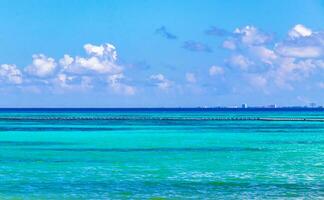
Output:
(197, 107)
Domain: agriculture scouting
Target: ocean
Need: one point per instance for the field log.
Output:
(161, 154)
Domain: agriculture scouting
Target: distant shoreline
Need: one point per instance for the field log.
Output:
(170, 109)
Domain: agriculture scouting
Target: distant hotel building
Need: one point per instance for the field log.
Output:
(244, 105)
(312, 105)
(272, 106)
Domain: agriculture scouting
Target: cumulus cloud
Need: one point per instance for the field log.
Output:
(299, 30)
(102, 59)
(290, 70)
(63, 80)
(66, 61)
(72, 73)
(299, 51)
(246, 37)
(191, 78)
(101, 62)
(264, 54)
(250, 35)
(240, 61)
(302, 42)
(299, 56)
(107, 50)
(10, 74)
(116, 84)
(72, 82)
(216, 70)
(93, 64)
(280, 63)
(41, 66)
(161, 81)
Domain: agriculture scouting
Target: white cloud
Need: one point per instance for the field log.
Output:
(115, 83)
(264, 54)
(160, 81)
(302, 42)
(299, 30)
(10, 74)
(191, 78)
(114, 79)
(216, 70)
(299, 51)
(42, 66)
(100, 63)
(290, 70)
(72, 73)
(94, 64)
(250, 35)
(66, 61)
(94, 50)
(102, 59)
(279, 64)
(107, 49)
(63, 80)
(240, 61)
(264, 65)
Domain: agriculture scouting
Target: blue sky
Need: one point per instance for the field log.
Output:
(161, 53)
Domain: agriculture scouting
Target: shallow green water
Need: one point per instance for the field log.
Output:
(160, 159)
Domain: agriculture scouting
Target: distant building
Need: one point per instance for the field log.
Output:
(312, 105)
(272, 106)
(244, 105)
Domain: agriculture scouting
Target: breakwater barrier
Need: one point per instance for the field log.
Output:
(125, 118)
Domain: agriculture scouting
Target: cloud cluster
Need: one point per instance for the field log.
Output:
(161, 81)
(42, 66)
(101, 60)
(10, 74)
(253, 59)
(115, 82)
(98, 67)
(276, 63)
(300, 31)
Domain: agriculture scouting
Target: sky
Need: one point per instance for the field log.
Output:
(151, 53)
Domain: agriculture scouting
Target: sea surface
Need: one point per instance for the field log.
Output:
(161, 154)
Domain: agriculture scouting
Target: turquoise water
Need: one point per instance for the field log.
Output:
(160, 155)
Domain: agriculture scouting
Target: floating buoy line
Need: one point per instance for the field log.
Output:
(125, 118)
